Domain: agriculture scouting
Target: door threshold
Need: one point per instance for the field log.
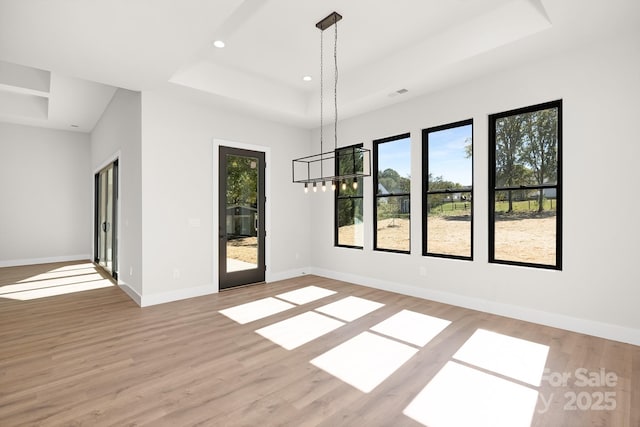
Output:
(246, 285)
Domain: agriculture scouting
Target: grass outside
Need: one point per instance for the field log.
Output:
(549, 205)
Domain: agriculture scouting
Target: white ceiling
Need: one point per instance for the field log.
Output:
(89, 47)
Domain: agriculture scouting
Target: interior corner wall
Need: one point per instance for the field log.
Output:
(118, 135)
(45, 214)
(597, 290)
(180, 225)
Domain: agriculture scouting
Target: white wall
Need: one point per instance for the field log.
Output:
(45, 192)
(597, 290)
(118, 135)
(177, 181)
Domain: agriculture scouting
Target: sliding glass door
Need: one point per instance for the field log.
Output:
(106, 224)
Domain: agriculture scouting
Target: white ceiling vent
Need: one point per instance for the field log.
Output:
(398, 92)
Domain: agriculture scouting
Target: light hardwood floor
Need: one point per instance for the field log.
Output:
(96, 358)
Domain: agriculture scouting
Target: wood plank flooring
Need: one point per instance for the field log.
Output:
(95, 358)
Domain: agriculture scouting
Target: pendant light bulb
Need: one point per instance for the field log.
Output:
(333, 186)
(315, 188)
(355, 184)
(324, 186)
(306, 188)
(344, 184)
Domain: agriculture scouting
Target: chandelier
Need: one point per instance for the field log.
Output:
(341, 166)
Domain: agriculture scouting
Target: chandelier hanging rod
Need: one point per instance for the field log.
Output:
(339, 165)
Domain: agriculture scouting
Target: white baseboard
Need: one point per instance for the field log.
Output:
(32, 261)
(583, 326)
(170, 296)
(284, 275)
(131, 293)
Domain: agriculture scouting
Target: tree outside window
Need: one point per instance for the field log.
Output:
(525, 186)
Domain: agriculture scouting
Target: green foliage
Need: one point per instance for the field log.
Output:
(391, 207)
(438, 183)
(468, 148)
(349, 211)
(439, 204)
(393, 182)
(437, 201)
(242, 181)
(349, 205)
(526, 151)
(530, 205)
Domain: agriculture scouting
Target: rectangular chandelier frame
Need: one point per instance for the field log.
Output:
(354, 162)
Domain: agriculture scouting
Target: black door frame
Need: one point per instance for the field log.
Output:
(227, 279)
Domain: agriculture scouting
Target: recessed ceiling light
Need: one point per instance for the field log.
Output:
(219, 44)
(307, 78)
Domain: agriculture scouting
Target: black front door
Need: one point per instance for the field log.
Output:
(241, 230)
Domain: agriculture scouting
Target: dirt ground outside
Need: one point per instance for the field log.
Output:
(520, 239)
(243, 249)
(394, 234)
(530, 240)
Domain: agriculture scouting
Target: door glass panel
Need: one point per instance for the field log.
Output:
(242, 213)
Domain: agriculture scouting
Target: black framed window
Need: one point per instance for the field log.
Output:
(447, 176)
(349, 200)
(392, 197)
(525, 186)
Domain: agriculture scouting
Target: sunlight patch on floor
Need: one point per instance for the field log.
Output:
(463, 396)
(512, 357)
(299, 330)
(365, 360)
(349, 308)
(72, 267)
(24, 285)
(50, 291)
(255, 310)
(60, 273)
(409, 326)
(305, 295)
